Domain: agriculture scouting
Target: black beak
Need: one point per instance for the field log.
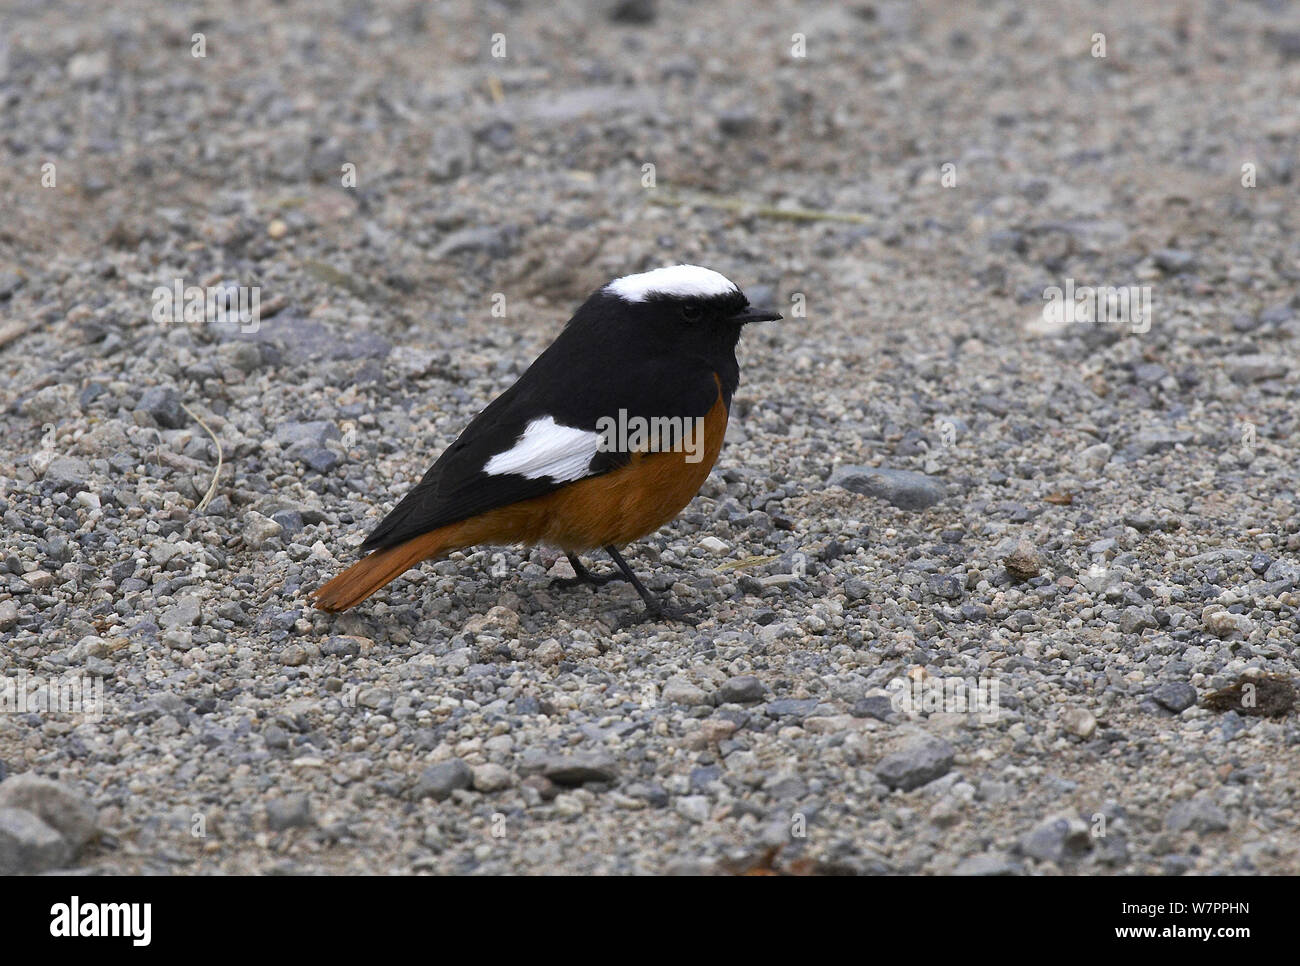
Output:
(752, 314)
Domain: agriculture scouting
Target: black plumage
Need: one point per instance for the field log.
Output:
(652, 358)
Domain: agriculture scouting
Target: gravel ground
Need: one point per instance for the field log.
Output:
(923, 481)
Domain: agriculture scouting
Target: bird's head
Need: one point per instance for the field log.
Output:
(686, 305)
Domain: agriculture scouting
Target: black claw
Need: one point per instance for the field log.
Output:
(655, 610)
(662, 613)
(595, 580)
(581, 575)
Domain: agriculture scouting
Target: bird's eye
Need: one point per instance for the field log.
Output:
(690, 312)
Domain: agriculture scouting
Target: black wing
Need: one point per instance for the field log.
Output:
(581, 377)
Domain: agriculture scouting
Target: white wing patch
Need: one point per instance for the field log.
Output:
(681, 281)
(547, 449)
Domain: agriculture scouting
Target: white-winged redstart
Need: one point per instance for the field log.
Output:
(604, 439)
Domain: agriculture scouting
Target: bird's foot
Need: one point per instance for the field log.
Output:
(595, 580)
(581, 575)
(663, 613)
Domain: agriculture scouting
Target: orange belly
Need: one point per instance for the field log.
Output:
(615, 508)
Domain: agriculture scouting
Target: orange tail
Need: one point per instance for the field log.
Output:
(371, 573)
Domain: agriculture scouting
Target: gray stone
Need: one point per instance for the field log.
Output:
(183, 613)
(490, 778)
(318, 458)
(1177, 696)
(680, 691)
(634, 11)
(55, 803)
(1174, 260)
(49, 405)
(945, 586)
(10, 282)
(68, 472)
(1199, 813)
(1223, 623)
(901, 488)
(89, 65)
(738, 122)
(1150, 442)
(1287, 43)
(855, 588)
(489, 239)
(1089, 462)
(742, 689)
(919, 761)
(341, 647)
(1283, 570)
(275, 737)
(694, 808)
(258, 529)
(294, 655)
(374, 698)
(1134, 620)
(878, 706)
(451, 154)
(1056, 839)
(1143, 521)
(1079, 722)
(291, 811)
(798, 707)
(244, 356)
(785, 787)
(177, 638)
(1276, 315)
(587, 101)
(1149, 374)
(306, 340)
(163, 403)
(312, 433)
(580, 767)
(440, 780)
(290, 521)
(28, 845)
(498, 134)
(986, 864)
(1256, 368)
(167, 702)
(41, 580)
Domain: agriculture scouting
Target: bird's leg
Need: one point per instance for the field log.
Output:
(581, 575)
(654, 608)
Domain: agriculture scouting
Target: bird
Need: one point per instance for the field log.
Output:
(605, 438)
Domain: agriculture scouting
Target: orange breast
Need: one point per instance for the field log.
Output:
(616, 508)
